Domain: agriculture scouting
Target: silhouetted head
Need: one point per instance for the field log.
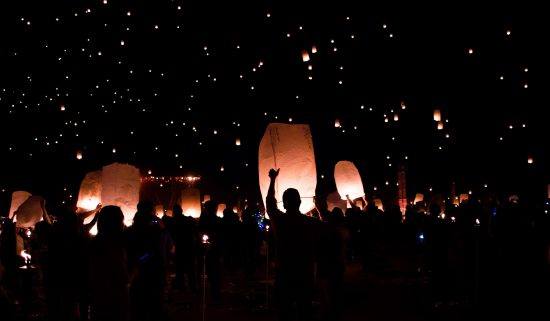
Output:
(210, 209)
(145, 213)
(337, 213)
(177, 210)
(291, 200)
(110, 222)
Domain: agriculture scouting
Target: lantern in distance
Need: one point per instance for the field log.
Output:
(378, 203)
(221, 208)
(348, 180)
(530, 160)
(159, 211)
(79, 155)
(238, 142)
(120, 187)
(305, 56)
(437, 115)
(419, 197)
(17, 198)
(313, 49)
(337, 123)
(191, 202)
(288, 147)
(463, 197)
(89, 195)
(440, 125)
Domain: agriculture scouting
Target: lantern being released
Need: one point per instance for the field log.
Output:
(32, 211)
(348, 181)
(191, 202)
(17, 198)
(290, 148)
(89, 195)
(120, 187)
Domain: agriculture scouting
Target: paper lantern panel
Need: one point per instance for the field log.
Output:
(348, 180)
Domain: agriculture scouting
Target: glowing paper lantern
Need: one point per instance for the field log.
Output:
(290, 148)
(463, 197)
(221, 208)
(32, 211)
(440, 125)
(238, 142)
(79, 155)
(337, 123)
(313, 49)
(120, 187)
(89, 195)
(437, 115)
(17, 198)
(305, 56)
(348, 181)
(419, 197)
(191, 202)
(378, 203)
(206, 198)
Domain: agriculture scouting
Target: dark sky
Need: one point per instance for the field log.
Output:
(131, 75)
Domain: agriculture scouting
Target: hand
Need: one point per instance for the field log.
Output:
(274, 173)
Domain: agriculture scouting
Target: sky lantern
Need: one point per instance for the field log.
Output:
(237, 142)
(191, 202)
(337, 123)
(440, 125)
(79, 155)
(17, 198)
(32, 211)
(530, 160)
(305, 56)
(221, 208)
(463, 197)
(313, 49)
(348, 180)
(378, 203)
(437, 115)
(159, 211)
(89, 195)
(419, 197)
(120, 187)
(288, 147)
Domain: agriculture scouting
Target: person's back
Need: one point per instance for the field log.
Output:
(108, 271)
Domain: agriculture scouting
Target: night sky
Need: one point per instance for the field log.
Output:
(169, 86)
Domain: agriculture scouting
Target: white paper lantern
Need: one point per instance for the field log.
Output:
(290, 148)
(221, 208)
(120, 187)
(348, 180)
(89, 195)
(17, 198)
(305, 56)
(32, 211)
(191, 202)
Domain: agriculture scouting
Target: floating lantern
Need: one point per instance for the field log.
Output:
(79, 155)
(440, 125)
(378, 203)
(437, 115)
(313, 49)
(396, 117)
(159, 211)
(418, 198)
(221, 208)
(120, 187)
(89, 195)
(348, 180)
(32, 211)
(305, 56)
(238, 142)
(17, 198)
(191, 202)
(206, 198)
(337, 123)
(290, 148)
(463, 197)
(530, 160)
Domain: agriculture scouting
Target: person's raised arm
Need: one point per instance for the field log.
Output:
(351, 202)
(270, 200)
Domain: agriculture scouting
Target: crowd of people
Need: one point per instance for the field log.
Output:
(481, 253)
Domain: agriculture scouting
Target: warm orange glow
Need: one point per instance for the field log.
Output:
(437, 115)
(348, 180)
(305, 56)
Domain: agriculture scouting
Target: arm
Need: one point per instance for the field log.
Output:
(270, 200)
(351, 203)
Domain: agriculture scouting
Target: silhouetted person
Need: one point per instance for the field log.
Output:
(185, 238)
(332, 261)
(147, 248)
(66, 262)
(230, 239)
(209, 224)
(250, 241)
(107, 268)
(295, 238)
